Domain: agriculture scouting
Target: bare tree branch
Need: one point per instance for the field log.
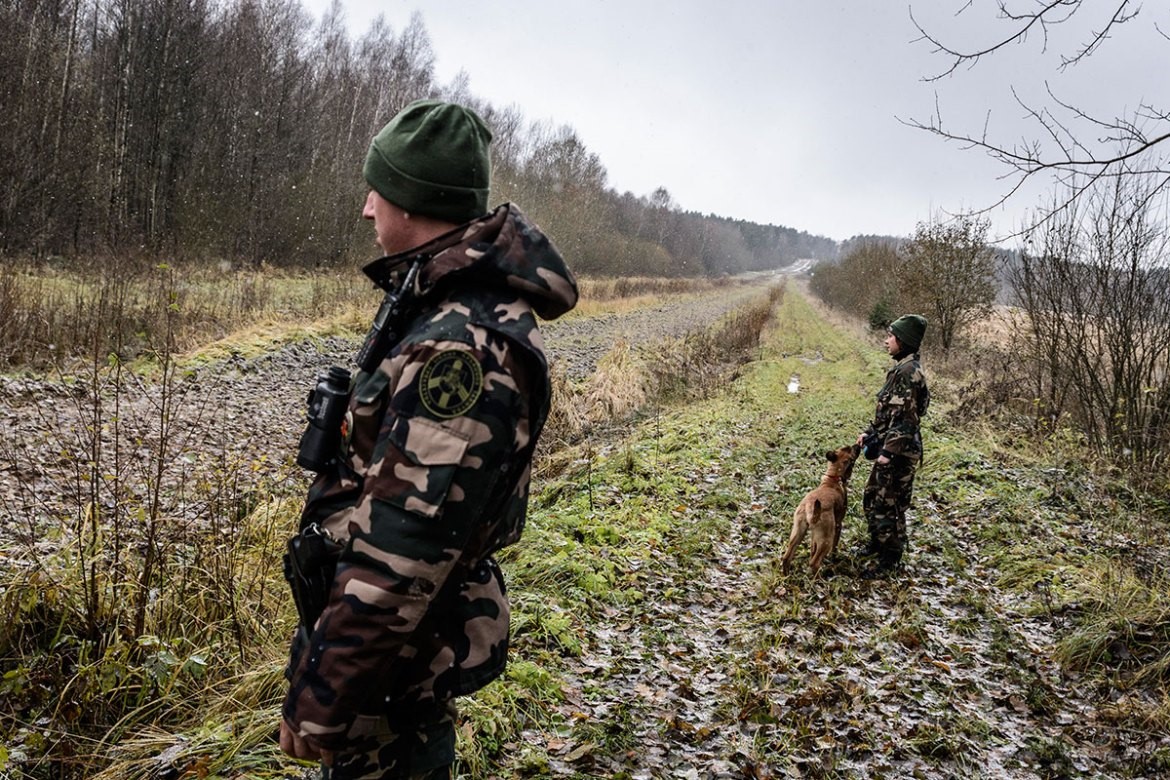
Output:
(1119, 17)
(1039, 19)
(1051, 13)
(1078, 149)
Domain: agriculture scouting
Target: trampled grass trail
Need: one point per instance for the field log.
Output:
(656, 638)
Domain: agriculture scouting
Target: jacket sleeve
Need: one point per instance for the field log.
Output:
(455, 411)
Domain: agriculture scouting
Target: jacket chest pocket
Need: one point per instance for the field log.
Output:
(418, 463)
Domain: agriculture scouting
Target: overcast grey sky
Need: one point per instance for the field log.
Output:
(784, 112)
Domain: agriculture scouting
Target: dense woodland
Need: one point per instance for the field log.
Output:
(235, 130)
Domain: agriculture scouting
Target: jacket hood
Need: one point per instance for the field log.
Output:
(501, 248)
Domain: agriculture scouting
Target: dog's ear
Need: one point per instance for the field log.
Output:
(831, 455)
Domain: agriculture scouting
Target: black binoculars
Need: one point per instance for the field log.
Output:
(321, 442)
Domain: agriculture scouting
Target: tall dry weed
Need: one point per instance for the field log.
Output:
(619, 387)
(699, 362)
(636, 286)
(692, 365)
(566, 417)
(134, 557)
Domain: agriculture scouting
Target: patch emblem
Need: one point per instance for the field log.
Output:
(450, 383)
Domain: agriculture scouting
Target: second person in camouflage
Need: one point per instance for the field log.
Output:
(896, 436)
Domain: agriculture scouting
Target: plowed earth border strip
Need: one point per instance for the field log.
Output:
(580, 342)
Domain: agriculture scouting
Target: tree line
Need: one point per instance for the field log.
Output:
(236, 129)
(946, 271)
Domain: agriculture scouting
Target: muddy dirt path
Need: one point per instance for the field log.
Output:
(933, 673)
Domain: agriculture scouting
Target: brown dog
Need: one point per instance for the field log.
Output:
(821, 511)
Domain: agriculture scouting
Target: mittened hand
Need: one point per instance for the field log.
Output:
(871, 446)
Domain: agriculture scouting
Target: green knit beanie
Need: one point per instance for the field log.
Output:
(909, 329)
(432, 159)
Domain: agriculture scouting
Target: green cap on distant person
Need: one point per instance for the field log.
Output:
(910, 329)
(432, 159)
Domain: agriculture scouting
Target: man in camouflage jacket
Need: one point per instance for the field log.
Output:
(433, 473)
(894, 438)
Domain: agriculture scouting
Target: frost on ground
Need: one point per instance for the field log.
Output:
(934, 673)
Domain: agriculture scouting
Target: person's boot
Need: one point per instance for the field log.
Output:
(867, 550)
(888, 558)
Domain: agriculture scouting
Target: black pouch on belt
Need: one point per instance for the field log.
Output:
(309, 567)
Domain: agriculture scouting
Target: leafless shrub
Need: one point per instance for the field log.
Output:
(947, 272)
(1095, 289)
(131, 556)
(862, 283)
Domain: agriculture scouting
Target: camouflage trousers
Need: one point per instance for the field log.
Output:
(415, 746)
(886, 499)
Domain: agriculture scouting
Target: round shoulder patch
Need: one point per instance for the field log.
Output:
(450, 383)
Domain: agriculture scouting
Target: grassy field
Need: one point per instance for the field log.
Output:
(654, 633)
(1027, 636)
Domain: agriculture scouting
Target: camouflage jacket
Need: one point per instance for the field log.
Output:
(433, 479)
(901, 403)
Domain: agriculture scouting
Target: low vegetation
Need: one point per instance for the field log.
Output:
(654, 632)
(60, 316)
(141, 583)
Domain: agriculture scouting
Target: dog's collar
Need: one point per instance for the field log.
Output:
(836, 477)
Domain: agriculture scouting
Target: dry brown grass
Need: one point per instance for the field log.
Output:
(620, 386)
(627, 378)
(616, 296)
(566, 418)
(128, 308)
(1001, 329)
(638, 286)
